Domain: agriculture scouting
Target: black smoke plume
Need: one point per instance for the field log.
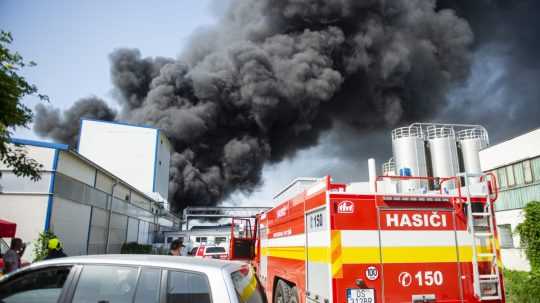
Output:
(274, 74)
(49, 122)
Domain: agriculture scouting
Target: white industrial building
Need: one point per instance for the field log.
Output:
(91, 208)
(140, 155)
(202, 235)
(516, 163)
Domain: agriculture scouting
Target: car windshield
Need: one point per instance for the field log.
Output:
(248, 289)
(216, 249)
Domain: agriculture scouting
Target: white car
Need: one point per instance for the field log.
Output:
(133, 278)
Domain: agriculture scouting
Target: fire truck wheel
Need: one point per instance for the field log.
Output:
(294, 296)
(282, 293)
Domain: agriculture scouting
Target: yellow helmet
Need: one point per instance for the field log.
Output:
(55, 243)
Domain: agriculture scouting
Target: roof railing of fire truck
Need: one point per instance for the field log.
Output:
(436, 179)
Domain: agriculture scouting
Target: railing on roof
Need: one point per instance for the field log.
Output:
(220, 212)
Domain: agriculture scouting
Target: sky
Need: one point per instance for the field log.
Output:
(71, 40)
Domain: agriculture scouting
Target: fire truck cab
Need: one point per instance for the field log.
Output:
(422, 232)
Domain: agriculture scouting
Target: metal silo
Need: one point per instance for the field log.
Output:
(410, 156)
(443, 151)
(471, 141)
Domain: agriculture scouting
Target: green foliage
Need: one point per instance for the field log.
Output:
(529, 232)
(136, 248)
(40, 245)
(13, 87)
(522, 287)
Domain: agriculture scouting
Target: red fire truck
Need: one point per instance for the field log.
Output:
(396, 238)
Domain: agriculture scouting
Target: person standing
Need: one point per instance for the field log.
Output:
(12, 257)
(176, 248)
(55, 249)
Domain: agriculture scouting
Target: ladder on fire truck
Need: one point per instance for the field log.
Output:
(487, 283)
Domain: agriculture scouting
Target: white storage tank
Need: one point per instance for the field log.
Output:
(444, 153)
(471, 141)
(410, 157)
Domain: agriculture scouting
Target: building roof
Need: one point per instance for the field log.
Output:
(19, 141)
(211, 227)
(119, 123)
(522, 147)
(65, 147)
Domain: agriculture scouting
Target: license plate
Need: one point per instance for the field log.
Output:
(360, 295)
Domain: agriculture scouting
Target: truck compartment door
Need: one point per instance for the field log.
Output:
(419, 255)
(318, 278)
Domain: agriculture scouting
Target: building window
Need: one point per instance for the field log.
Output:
(527, 171)
(518, 171)
(505, 234)
(501, 174)
(200, 239)
(535, 164)
(219, 240)
(511, 181)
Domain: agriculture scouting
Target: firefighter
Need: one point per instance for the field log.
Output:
(55, 249)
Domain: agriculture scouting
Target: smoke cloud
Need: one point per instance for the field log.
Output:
(49, 122)
(272, 76)
(502, 92)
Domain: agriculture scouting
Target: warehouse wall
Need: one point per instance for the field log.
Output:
(70, 166)
(104, 182)
(162, 167)
(126, 151)
(29, 212)
(24, 201)
(43, 155)
(99, 229)
(117, 233)
(70, 221)
(83, 212)
(513, 256)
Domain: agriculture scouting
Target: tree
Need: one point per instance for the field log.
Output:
(13, 87)
(526, 288)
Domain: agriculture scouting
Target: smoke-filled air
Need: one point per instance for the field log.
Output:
(271, 76)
